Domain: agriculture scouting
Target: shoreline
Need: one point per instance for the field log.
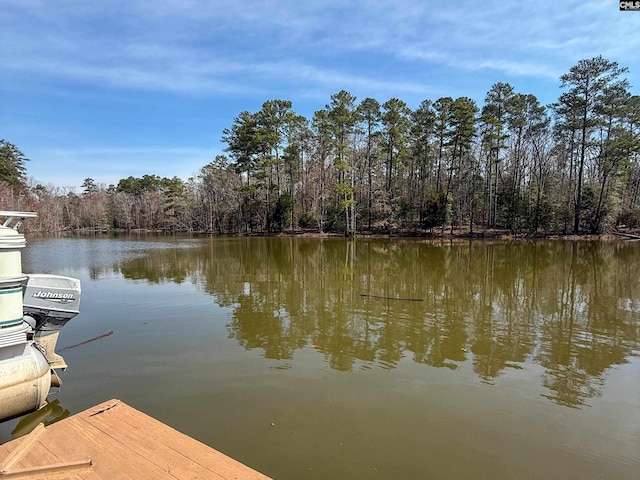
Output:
(458, 234)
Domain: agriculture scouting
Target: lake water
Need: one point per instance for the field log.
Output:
(367, 359)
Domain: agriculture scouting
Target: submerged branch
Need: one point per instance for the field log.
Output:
(110, 332)
(392, 298)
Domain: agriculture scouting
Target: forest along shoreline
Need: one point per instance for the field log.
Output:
(446, 168)
(481, 233)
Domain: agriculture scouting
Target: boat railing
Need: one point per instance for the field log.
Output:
(11, 216)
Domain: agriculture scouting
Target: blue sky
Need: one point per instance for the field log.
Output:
(109, 88)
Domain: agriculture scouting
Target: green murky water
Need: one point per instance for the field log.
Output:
(366, 359)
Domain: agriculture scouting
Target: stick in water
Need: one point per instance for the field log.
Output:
(87, 341)
(393, 298)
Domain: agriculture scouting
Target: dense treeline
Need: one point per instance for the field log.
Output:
(512, 163)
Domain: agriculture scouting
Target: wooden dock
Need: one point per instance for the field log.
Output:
(115, 441)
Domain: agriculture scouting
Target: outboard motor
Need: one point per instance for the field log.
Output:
(51, 300)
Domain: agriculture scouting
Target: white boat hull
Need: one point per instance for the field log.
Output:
(25, 379)
(33, 310)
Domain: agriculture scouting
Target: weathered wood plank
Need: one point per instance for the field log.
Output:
(74, 439)
(124, 443)
(47, 471)
(164, 446)
(26, 443)
(33, 456)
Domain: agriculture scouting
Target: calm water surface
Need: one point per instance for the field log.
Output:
(366, 359)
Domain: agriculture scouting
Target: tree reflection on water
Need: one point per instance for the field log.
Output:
(569, 307)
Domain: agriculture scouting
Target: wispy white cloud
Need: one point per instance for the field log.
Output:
(520, 38)
(225, 46)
